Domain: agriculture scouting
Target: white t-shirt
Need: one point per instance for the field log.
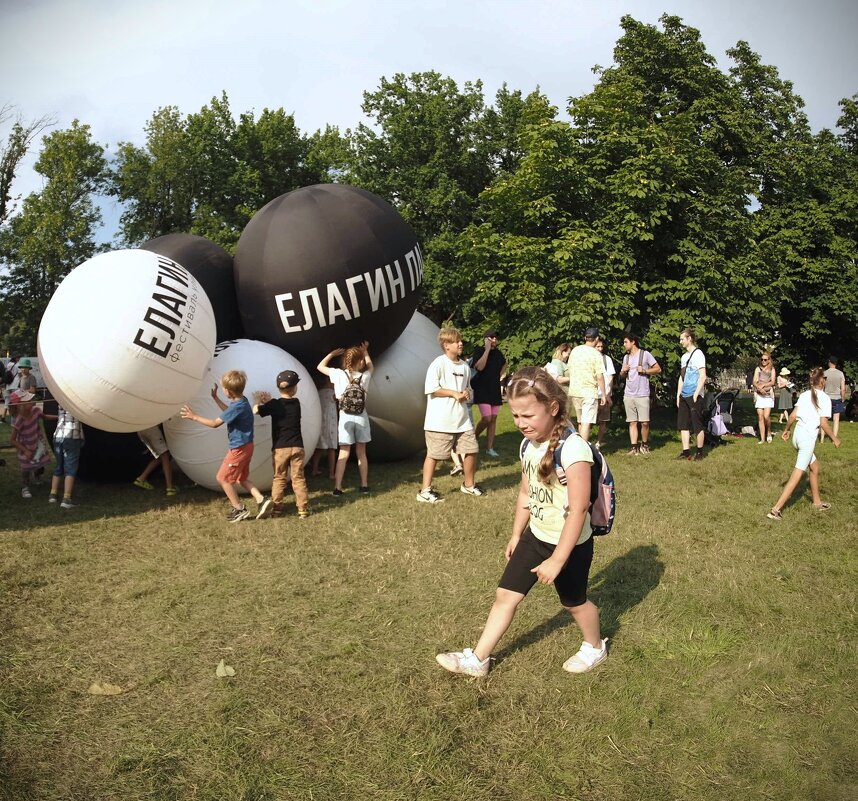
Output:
(807, 415)
(445, 414)
(340, 380)
(549, 501)
(610, 372)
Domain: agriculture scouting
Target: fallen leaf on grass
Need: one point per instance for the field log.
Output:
(103, 688)
(223, 670)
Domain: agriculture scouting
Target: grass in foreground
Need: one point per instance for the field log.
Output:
(731, 672)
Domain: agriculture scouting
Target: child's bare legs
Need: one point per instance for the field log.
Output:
(342, 461)
(813, 478)
(167, 468)
(488, 423)
(500, 616)
(66, 481)
(332, 463)
(314, 462)
(251, 488)
(231, 494)
(469, 461)
(428, 472)
(586, 616)
(789, 489)
(149, 469)
(363, 465)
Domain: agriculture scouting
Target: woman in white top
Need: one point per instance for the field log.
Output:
(764, 396)
(811, 413)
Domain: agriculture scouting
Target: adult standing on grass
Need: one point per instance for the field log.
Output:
(558, 366)
(489, 363)
(764, 396)
(810, 415)
(835, 388)
(586, 382)
(638, 366)
(784, 394)
(551, 538)
(448, 425)
(689, 395)
(603, 416)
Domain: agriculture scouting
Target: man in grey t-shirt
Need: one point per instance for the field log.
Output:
(835, 388)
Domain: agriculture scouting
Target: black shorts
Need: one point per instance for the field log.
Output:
(690, 416)
(571, 581)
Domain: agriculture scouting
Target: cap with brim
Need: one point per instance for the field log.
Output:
(591, 333)
(21, 397)
(785, 371)
(288, 378)
(25, 363)
(491, 333)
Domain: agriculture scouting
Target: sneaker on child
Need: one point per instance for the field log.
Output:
(67, 504)
(475, 490)
(238, 514)
(265, 509)
(25, 492)
(492, 452)
(587, 658)
(465, 662)
(429, 495)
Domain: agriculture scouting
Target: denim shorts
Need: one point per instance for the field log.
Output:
(67, 452)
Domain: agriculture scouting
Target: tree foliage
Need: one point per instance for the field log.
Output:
(54, 232)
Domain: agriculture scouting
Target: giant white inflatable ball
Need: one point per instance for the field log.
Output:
(396, 403)
(324, 267)
(199, 450)
(126, 339)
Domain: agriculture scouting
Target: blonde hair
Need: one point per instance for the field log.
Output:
(353, 359)
(448, 335)
(558, 351)
(540, 384)
(234, 381)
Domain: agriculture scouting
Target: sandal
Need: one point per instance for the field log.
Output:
(172, 491)
(139, 482)
(775, 514)
(823, 507)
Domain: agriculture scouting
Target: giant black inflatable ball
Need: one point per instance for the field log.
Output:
(111, 458)
(327, 266)
(211, 265)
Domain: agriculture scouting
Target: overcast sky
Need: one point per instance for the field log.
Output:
(112, 63)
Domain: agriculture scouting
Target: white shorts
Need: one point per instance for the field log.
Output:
(153, 439)
(804, 442)
(586, 409)
(761, 402)
(353, 428)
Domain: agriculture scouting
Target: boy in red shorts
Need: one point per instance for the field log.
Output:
(238, 417)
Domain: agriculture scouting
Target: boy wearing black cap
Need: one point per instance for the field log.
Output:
(287, 446)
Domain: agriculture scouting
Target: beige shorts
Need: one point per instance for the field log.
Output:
(586, 409)
(153, 439)
(440, 444)
(637, 409)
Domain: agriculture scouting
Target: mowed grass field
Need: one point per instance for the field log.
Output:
(732, 641)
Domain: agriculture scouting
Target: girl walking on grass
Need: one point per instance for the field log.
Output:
(551, 539)
(811, 412)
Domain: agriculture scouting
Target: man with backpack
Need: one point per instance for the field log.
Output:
(638, 366)
(689, 395)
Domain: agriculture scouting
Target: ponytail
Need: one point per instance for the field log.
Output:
(816, 374)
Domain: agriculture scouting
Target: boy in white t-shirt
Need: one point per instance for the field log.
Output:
(447, 424)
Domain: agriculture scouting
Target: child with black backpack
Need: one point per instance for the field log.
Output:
(350, 388)
(552, 537)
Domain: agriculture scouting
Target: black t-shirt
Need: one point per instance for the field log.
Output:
(486, 384)
(285, 414)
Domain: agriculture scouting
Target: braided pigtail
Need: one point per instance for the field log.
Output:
(546, 466)
(541, 385)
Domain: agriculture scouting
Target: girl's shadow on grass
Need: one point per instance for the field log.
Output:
(615, 589)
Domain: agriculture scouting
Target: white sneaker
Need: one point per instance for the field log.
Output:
(52, 499)
(492, 452)
(464, 662)
(25, 492)
(66, 504)
(429, 496)
(587, 658)
(475, 490)
(265, 509)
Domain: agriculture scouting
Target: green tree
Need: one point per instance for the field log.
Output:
(18, 142)
(53, 233)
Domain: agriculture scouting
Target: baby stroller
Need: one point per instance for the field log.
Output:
(718, 415)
